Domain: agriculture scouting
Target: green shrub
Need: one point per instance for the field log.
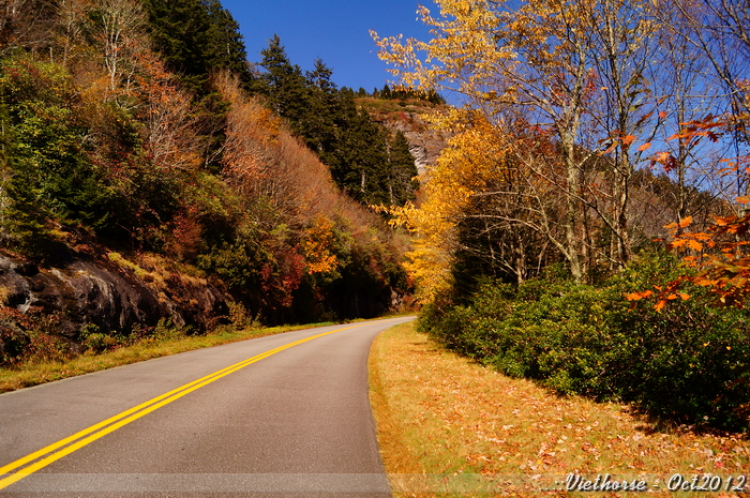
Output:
(688, 363)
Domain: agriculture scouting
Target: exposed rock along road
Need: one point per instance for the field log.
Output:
(282, 415)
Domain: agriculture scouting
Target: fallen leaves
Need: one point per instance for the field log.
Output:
(463, 418)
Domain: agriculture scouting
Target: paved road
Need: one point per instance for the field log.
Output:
(285, 419)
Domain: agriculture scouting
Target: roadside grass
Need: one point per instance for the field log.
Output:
(38, 372)
(450, 427)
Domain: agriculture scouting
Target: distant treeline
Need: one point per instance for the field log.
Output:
(403, 93)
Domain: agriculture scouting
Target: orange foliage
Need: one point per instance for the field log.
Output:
(172, 139)
(261, 158)
(719, 256)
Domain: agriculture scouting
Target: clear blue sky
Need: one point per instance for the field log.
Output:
(337, 31)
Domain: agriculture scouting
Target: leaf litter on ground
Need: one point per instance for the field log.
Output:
(450, 427)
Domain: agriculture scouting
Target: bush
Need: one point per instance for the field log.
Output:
(688, 363)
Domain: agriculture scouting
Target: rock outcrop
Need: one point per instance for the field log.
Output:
(425, 144)
(85, 291)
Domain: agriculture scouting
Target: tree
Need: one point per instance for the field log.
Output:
(319, 127)
(402, 173)
(481, 211)
(284, 84)
(227, 50)
(47, 173)
(25, 24)
(117, 26)
(575, 70)
(197, 37)
(360, 163)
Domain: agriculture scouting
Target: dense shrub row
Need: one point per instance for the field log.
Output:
(689, 363)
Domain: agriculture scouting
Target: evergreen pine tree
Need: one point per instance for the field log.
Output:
(402, 171)
(319, 128)
(362, 166)
(196, 37)
(228, 49)
(284, 85)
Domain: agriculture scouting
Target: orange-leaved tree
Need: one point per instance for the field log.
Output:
(717, 258)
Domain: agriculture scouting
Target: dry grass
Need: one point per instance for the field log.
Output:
(448, 425)
(35, 373)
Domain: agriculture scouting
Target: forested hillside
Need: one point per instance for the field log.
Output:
(149, 172)
(587, 225)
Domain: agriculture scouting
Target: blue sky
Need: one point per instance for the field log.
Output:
(337, 31)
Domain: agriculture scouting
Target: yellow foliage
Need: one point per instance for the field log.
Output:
(317, 244)
(473, 156)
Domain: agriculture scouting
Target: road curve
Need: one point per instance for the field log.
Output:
(282, 415)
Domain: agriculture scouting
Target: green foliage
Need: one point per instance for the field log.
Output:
(405, 94)
(14, 339)
(92, 339)
(365, 160)
(402, 173)
(284, 85)
(688, 363)
(235, 263)
(50, 175)
(196, 37)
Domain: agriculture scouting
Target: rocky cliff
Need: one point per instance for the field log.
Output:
(90, 289)
(410, 117)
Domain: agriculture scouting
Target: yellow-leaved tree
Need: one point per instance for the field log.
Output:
(459, 173)
(572, 72)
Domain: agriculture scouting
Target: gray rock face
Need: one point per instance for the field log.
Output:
(85, 292)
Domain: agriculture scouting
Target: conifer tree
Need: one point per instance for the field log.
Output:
(196, 37)
(284, 85)
(319, 128)
(401, 171)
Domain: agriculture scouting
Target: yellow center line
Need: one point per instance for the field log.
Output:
(122, 419)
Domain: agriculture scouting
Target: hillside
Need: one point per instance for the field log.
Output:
(147, 179)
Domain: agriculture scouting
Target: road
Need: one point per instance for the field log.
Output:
(282, 415)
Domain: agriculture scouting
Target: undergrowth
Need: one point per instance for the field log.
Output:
(687, 364)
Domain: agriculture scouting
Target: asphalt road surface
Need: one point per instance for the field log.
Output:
(282, 415)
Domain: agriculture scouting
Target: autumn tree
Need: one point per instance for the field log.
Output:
(118, 23)
(576, 70)
(481, 53)
(25, 24)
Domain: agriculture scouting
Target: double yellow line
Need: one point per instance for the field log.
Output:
(66, 446)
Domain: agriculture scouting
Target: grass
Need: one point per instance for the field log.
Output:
(450, 427)
(38, 372)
